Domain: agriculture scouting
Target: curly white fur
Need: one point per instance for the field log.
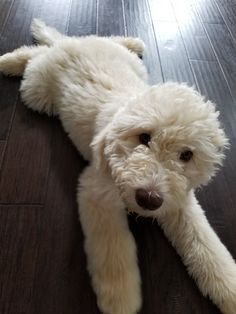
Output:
(98, 88)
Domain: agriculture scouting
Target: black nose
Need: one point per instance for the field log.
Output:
(148, 199)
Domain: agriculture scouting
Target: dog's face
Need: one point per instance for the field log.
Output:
(160, 146)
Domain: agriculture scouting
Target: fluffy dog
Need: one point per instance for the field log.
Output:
(149, 147)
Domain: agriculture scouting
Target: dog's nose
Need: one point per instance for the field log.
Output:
(148, 199)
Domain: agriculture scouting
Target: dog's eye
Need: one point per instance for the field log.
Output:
(186, 155)
(144, 138)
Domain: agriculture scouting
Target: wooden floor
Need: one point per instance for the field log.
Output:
(42, 262)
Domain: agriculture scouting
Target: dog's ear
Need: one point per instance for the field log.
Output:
(98, 149)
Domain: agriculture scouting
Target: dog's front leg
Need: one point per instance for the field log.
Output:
(206, 258)
(109, 245)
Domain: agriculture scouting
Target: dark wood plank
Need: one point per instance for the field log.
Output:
(22, 162)
(42, 256)
(213, 85)
(14, 33)
(110, 18)
(228, 12)
(174, 60)
(55, 15)
(220, 206)
(63, 284)
(83, 18)
(25, 168)
(9, 95)
(225, 48)
(139, 24)
(2, 151)
(21, 227)
(209, 11)
(5, 8)
(194, 36)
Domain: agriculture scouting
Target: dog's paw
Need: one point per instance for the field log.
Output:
(228, 306)
(119, 294)
(119, 301)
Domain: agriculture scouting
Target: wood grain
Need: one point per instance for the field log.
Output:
(110, 18)
(14, 32)
(192, 31)
(209, 11)
(228, 12)
(139, 24)
(2, 151)
(83, 18)
(5, 9)
(21, 228)
(63, 284)
(173, 55)
(9, 95)
(225, 48)
(55, 15)
(25, 169)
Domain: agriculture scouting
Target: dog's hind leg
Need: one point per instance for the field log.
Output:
(45, 35)
(133, 44)
(38, 87)
(14, 63)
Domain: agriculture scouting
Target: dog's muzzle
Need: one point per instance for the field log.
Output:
(149, 200)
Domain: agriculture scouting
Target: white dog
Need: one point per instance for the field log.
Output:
(149, 147)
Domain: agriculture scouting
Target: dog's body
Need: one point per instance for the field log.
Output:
(148, 148)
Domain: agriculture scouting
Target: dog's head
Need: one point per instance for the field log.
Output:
(161, 145)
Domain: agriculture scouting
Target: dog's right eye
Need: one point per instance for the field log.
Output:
(144, 138)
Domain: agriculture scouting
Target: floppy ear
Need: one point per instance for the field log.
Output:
(98, 149)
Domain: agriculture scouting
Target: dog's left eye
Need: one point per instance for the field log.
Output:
(186, 155)
(144, 138)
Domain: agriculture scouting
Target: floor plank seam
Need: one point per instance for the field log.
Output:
(2, 204)
(8, 134)
(183, 41)
(4, 143)
(215, 53)
(225, 22)
(6, 18)
(97, 13)
(156, 41)
(68, 18)
(124, 17)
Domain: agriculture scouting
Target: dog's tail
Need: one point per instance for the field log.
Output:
(43, 34)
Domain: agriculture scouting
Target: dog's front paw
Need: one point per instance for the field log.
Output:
(228, 306)
(119, 295)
